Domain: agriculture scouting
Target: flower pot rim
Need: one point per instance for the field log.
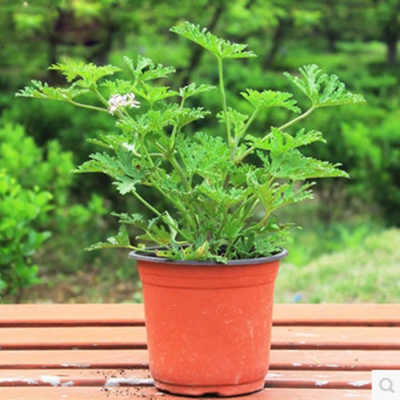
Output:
(144, 256)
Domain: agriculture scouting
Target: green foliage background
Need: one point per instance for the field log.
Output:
(41, 142)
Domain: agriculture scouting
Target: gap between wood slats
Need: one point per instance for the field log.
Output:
(296, 360)
(92, 393)
(353, 338)
(141, 377)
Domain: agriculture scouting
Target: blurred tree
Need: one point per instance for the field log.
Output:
(386, 13)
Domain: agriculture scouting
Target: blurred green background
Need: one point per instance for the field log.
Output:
(349, 248)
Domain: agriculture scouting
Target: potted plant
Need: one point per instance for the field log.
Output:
(209, 274)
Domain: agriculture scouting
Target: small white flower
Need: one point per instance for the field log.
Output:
(130, 147)
(117, 100)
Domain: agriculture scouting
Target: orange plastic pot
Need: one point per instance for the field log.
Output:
(208, 325)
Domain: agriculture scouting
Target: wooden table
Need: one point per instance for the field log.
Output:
(98, 351)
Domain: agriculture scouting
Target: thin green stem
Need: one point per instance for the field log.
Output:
(171, 158)
(293, 121)
(224, 103)
(248, 124)
(145, 203)
(299, 118)
(155, 211)
(75, 103)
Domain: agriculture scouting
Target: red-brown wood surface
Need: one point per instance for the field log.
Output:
(99, 352)
(283, 337)
(139, 392)
(132, 314)
(133, 377)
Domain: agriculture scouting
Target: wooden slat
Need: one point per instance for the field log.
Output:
(334, 360)
(73, 337)
(132, 314)
(284, 337)
(337, 314)
(71, 315)
(67, 359)
(93, 393)
(326, 337)
(141, 377)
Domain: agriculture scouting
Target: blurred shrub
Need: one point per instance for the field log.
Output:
(74, 226)
(31, 165)
(20, 210)
(374, 155)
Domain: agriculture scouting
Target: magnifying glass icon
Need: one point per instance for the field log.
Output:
(386, 385)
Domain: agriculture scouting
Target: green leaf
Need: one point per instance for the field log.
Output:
(193, 89)
(90, 73)
(184, 116)
(206, 156)
(118, 86)
(221, 48)
(41, 90)
(295, 166)
(80, 70)
(280, 142)
(146, 70)
(270, 98)
(323, 90)
(131, 219)
(120, 240)
(236, 120)
(154, 93)
(274, 195)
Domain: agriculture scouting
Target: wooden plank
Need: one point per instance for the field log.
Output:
(337, 314)
(73, 338)
(141, 377)
(284, 337)
(71, 315)
(326, 337)
(322, 360)
(132, 314)
(94, 393)
(67, 359)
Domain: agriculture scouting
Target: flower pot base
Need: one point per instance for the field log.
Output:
(222, 391)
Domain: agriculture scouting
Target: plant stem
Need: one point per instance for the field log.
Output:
(145, 203)
(293, 121)
(299, 118)
(88, 106)
(224, 105)
(248, 124)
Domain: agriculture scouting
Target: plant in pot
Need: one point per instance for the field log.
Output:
(213, 245)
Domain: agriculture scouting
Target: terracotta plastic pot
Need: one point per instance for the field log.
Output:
(208, 325)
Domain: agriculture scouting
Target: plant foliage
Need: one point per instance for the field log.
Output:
(19, 240)
(221, 201)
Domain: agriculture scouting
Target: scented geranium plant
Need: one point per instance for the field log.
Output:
(220, 191)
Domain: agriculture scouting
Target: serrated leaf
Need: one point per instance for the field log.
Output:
(323, 90)
(294, 166)
(131, 219)
(274, 195)
(207, 156)
(118, 86)
(88, 72)
(270, 98)
(41, 90)
(221, 48)
(146, 70)
(120, 240)
(236, 120)
(184, 116)
(280, 142)
(154, 93)
(192, 90)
